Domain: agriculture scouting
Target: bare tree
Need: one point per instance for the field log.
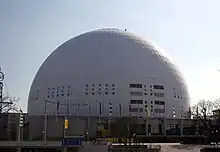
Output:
(9, 104)
(204, 108)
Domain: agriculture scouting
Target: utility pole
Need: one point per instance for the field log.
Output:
(1, 89)
(109, 119)
(45, 122)
(181, 122)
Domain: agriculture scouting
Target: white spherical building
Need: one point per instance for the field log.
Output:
(108, 68)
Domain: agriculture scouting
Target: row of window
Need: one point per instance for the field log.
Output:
(141, 94)
(139, 110)
(157, 102)
(136, 101)
(99, 89)
(58, 88)
(136, 110)
(158, 87)
(100, 93)
(57, 92)
(58, 95)
(158, 94)
(106, 85)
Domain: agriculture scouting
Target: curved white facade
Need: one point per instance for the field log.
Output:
(105, 66)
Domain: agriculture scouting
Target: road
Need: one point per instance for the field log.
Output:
(181, 148)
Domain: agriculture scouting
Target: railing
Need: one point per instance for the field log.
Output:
(34, 144)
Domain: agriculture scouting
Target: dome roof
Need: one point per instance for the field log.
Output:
(108, 56)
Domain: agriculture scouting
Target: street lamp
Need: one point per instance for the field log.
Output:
(20, 126)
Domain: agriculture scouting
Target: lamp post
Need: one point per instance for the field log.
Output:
(20, 127)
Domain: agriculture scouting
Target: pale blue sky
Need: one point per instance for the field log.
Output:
(187, 29)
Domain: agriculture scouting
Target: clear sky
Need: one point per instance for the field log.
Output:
(187, 29)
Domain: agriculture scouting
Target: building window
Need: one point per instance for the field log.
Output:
(159, 110)
(106, 89)
(62, 94)
(158, 94)
(145, 101)
(48, 96)
(151, 102)
(150, 86)
(113, 85)
(136, 110)
(145, 94)
(100, 89)
(113, 93)
(136, 93)
(86, 93)
(68, 86)
(106, 93)
(159, 102)
(136, 101)
(68, 94)
(93, 93)
(140, 109)
(145, 86)
(100, 93)
(100, 85)
(159, 87)
(135, 85)
(151, 106)
(93, 85)
(113, 88)
(52, 96)
(151, 94)
(86, 89)
(106, 85)
(93, 89)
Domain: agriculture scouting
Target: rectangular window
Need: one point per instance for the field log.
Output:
(136, 101)
(159, 102)
(141, 110)
(136, 110)
(158, 94)
(135, 85)
(137, 93)
(159, 110)
(160, 87)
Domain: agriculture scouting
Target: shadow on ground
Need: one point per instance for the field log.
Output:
(187, 147)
